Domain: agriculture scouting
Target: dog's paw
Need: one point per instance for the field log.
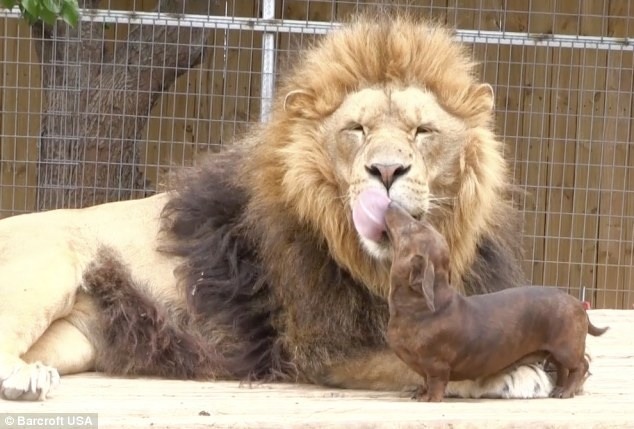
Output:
(556, 393)
(30, 382)
(419, 392)
(561, 393)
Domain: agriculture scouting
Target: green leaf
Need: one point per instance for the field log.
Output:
(31, 7)
(46, 10)
(70, 13)
(8, 4)
(47, 16)
(53, 6)
(28, 17)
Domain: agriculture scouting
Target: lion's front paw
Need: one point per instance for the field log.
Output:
(30, 382)
(523, 382)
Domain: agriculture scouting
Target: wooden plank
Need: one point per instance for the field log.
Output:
(622, 20)
(209, 101)
(30, 80)
(561, 269)
(535, 125)
(187, 119)
(290, 44)
(461, 15)
(303, 10)
(253, 79)
(5, 186)
(458, 15)
(142, 402)
(588, 152)
(9, 109)
(494, 62)
(511, 75)
(509, 100)
(611, 253)
(3, 60)
(238, 65)
(628, 294)
(20, 119)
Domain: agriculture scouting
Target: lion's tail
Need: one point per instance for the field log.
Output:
(140, 337)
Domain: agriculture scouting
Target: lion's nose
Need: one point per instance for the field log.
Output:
(388, 173)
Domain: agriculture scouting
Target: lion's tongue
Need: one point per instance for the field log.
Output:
(368, 214)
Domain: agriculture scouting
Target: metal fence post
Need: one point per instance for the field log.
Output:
(268, 62)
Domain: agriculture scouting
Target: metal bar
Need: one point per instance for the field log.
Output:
(547, 40)
(196, 21)
(314, 27)
(268, 62)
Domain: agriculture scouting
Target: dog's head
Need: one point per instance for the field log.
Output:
(420, 257)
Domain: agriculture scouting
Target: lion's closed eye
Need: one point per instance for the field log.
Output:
(355, 133)
(425, 129)
(355, 127)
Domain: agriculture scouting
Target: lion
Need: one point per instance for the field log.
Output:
(251, 267)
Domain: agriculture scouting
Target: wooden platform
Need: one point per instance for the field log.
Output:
(135, 403)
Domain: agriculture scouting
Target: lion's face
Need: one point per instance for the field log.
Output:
(400, 141)
(388, 105)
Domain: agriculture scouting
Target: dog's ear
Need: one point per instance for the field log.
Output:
(428, 285)
(417, 270)
(422, 275)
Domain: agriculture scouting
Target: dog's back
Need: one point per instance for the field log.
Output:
(456, 337)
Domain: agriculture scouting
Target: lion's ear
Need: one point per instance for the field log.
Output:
(485, 96)
(297, 102)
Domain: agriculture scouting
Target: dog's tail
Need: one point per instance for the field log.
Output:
(594, 331)
(142, 338)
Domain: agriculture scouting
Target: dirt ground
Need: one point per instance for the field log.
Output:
(135, 403)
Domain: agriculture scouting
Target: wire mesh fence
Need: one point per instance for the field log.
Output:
(142, 88)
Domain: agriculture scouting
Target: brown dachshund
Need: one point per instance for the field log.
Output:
(444, 336)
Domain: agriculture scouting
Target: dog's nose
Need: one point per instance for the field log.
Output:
(387, 173)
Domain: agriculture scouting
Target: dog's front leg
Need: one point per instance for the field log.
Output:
(437, 379)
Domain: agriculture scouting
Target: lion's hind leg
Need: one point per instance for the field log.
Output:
(69, 344)
(62, 349)
(142, 337)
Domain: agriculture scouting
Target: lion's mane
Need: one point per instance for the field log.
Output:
(272, 265)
